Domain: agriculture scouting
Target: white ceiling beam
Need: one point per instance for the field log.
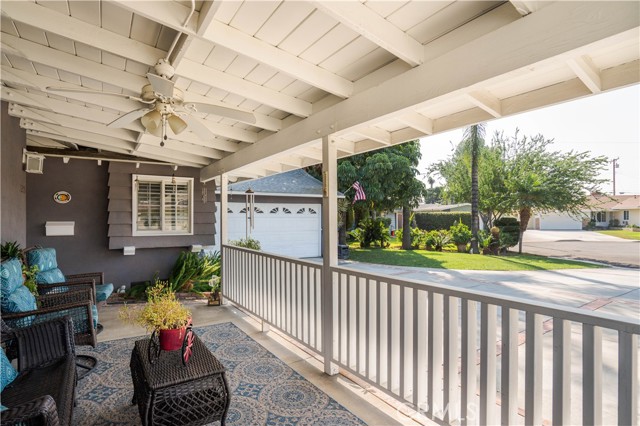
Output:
(270, 55)
(74, 29)
(80, 124)
(525, 7)
(179, 146)
(210, 29)
(418, 122)
(483, 99)
(345, 145)
(170, 156)
(374, 133)
(374, 27)
(74, 133)
(74, 64)
(169, 13)
(18, 77)
(507, 52)
(586, 70)
(212, 77)
(21, 111)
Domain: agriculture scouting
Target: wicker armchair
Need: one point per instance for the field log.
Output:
(75, 301)
(45, 259)
(44, 391)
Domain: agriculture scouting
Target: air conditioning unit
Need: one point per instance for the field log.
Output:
(33, 162)
(625, 222)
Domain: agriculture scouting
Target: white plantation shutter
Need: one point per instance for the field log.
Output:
(161, 206)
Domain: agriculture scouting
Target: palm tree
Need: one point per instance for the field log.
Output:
(475, 135)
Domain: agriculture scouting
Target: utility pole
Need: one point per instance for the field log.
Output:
(615, 165)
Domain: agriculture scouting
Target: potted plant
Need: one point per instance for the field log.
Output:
(461, 235)
(214, 297)
(162, 313)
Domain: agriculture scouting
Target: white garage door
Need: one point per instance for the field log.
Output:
(559, 221)
(282, 228)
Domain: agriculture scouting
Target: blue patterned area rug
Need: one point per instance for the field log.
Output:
(264, 390)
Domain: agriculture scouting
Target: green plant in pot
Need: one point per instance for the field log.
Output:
(163, 313)
(461, 235)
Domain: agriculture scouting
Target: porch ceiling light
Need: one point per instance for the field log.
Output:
(152, 121)
(177, 124)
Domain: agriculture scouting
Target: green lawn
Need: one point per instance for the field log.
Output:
(622, 233)
(461, 261)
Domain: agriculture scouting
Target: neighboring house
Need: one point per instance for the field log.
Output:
(288, 213)
(607, 208)
(554, 221)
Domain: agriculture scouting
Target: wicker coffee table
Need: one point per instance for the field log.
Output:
(169, 393)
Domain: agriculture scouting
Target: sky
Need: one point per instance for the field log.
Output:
(605, 124)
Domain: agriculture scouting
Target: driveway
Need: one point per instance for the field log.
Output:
(583, 245)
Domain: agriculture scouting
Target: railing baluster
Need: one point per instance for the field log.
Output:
(358, 335)
(561, 411)
(378, 288)
(592, 375)
(389, 338)
(349, 321)
(468, 371)
(509, 365)
(401, 352)
(367, 334)
(488, 364)
(416, 348)
(627, 378)
(533, 370)
(435, 352)
(450, 367)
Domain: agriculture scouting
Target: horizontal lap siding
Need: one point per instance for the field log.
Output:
(120, 208)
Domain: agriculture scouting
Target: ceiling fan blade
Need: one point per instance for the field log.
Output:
(161, 85)
(96, 92)
(236, 114)
(129, 117)
(196, 126)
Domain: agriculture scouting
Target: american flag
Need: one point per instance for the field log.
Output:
(359, 192)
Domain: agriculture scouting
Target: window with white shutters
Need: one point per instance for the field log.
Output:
(162, 205)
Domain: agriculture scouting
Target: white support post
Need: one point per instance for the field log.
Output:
(224, 184)
(329, 245)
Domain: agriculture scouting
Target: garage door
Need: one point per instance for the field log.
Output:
(559, 221)
(286, 229)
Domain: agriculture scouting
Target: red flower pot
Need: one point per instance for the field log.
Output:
(171, 340)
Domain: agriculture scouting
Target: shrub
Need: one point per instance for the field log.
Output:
(460, 233)
(614, 223)
(430, 221)
(509, 231)
(371, 231)
(249, 243)
(439, 239)
(193, 271)
(417, 237)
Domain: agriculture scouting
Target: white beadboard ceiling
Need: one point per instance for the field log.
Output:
(368, 73)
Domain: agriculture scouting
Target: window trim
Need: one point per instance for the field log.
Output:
(134, 205)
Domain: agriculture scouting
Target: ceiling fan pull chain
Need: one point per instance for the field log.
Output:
(164, 130)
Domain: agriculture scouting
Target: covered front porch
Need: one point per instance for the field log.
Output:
(114, 101)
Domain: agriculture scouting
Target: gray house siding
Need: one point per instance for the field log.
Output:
(14, 180)
(120, 208)
(92, 196)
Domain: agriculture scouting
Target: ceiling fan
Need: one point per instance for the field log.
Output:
(164, 106)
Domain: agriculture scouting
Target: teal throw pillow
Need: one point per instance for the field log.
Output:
(7, 373)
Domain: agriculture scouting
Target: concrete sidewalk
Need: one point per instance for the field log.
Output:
(609, 290)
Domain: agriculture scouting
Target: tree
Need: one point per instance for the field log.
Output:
(389, 177)
(475, 136)
(542, 180)
(456, 171)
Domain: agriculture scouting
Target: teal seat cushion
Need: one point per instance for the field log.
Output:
(7, 373)
(94, 312)
(103, 291)
(10, 276)
(51, 276)
(20, 300)
(44, 258)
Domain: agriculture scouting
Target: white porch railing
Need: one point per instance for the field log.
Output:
(459, 356)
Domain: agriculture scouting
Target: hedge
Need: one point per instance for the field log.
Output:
(430, 221)
(510, 226)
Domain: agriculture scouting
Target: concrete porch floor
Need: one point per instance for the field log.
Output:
(362, 402)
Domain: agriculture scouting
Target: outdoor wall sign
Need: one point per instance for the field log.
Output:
(62, 197)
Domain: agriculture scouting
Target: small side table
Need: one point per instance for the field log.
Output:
(169, 393)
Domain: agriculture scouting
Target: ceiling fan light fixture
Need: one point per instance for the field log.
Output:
(152, 121)
(177, 124)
